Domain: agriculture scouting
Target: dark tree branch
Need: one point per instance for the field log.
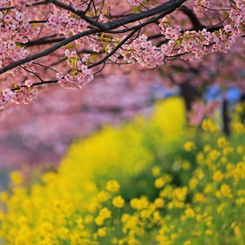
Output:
(42, 42)
(35, 84)
(152, 20)
(114, 50)
(193, 18)
(172, 4)
(34, 73)
(81, 14)
(37, 21)
(48, 51)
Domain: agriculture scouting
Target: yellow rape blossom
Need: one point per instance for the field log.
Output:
(189, 146)
(237, 231)
(207, 148)
(4, 196)
(239, 127)
(199, 197)
(186, 165)
(227, 150)
(159, 202)
(208, 188)
(223, 160)
(214, 154)
(225, 190)
(199, 173)
(125, 218)
(105, 213)
(112, 186)
(239, 149)
(222, 142)
(145, 214)
(140, 203)
(208, 232)
(118, 202)
(156, 171)
(159, 183)
(78, 204)
(102, 232)
(240, 201)
(189, 213)
(16, 177)
(99, 220)
(208, 125)
(218, 176)
(220, 208)
(103, 196)
(193, 182)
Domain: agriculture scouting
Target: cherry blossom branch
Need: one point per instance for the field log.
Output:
(46, 67)
(91, 66)
(48, 51)
(114, 50)
(172, 4)
(166, 7)
(81, 14)
(35, 84)
(152, 20)
(177, 40)
(28, 5)
(42, 42)
(34, 73)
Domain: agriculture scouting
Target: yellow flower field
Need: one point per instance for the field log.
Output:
(151, 181)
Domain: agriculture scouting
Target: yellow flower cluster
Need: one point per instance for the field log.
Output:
(189, 145)
(118, 202)
(208, 125)
(237, 126)
(114, 188)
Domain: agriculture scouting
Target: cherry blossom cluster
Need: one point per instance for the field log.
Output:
(194, 44)
(5, 96)
(73, 55)
(20, 4)
(14, 24)
(77, 5)
(238, 14)
(4, 3)
(10, 53)
(135, 2)
(200, 6)
(93, 42)
(145, 53)
(23, 95)
(141, 51)
(80, 76)
(45, 29)
(66, 23)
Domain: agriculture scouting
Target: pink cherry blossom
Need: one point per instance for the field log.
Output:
(66, 42)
